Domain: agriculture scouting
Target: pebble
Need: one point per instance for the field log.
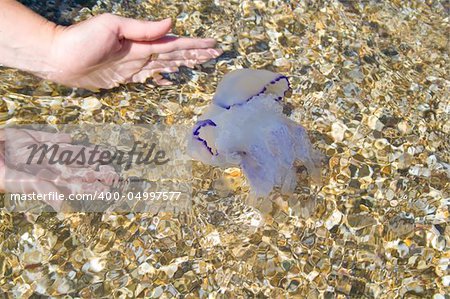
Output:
(337, 131)
(334, 219)
(90, 104)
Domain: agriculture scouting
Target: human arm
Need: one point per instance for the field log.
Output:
(101, 52)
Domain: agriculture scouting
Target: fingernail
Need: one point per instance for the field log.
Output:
(216, 52)
(166, 20)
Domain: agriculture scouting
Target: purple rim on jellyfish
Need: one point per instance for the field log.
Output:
(262, 92)
(196, 132)
(208, 122)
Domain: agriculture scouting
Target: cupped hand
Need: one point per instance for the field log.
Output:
(108, 50)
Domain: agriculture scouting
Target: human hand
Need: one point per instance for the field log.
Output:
(108, 50)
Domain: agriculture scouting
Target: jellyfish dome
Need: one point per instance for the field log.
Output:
(244, 126)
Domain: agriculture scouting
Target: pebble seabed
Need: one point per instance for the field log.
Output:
(370, 83)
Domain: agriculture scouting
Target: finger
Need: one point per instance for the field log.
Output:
(191, 54)
(143, 75)
(138, 30)
(175, 63)
(191, 63)
(172, 43)
(159, 80)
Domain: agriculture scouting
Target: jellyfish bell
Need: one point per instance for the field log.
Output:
(245, 126)
(241, 86)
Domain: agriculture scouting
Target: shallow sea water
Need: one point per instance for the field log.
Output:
(370, 83)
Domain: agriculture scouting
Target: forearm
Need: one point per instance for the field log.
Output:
(25, 39)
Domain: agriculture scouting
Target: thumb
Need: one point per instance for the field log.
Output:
(138, 30)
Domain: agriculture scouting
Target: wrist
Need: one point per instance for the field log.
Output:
(49, 66)
(36, 56)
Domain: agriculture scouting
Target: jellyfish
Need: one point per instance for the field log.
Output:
(245, 127)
